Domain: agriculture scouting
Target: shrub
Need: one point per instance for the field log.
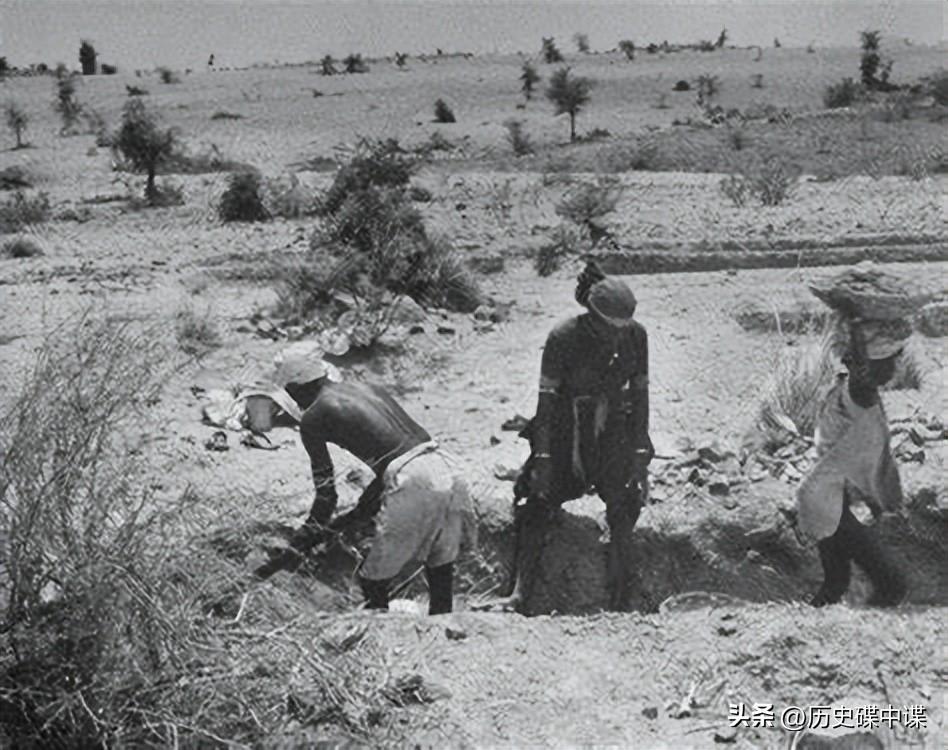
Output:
(773, 181)
(22, 210)
(842, 94)
(589, 203)
(757, 81)
(550, 52)
(242, 199)
(682, 86)
(4, 66)
(353, 63)
(582, 43)
(529, 78)
(289, 200)
(792, 398)
(400, 59)
(135, 90)
(166, 75)
(143, 143)
(708, 87)
(66, 103)
(327, 66)
(380, 164)
(569, 94)
(17, 120)
(21, 247)
(870, 60)
(549, 258)
(938, 86)
(196, 333)
(518, 139)
(737, 137)
(109, 70)
(87, 57)
(736, 188)
(627, 48)
(443, 112)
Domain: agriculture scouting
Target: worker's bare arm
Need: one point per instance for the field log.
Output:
(314, 435)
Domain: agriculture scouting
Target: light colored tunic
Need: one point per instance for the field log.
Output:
(426, 517)
(852, 445)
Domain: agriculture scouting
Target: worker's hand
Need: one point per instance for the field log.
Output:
(541, 477)
(640, 461)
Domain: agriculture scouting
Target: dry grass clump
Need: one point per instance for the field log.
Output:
(770, 180)
(122, 622)
(792, 399)
(22, 210)
(242, 199)
(196, 332)
(20, 247)
(565, 243)
(588, 204)
(517, 137)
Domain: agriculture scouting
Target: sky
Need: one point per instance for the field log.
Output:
(183, 33)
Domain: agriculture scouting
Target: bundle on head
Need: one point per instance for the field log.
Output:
(865, 290)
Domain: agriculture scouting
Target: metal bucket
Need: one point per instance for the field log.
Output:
(260, 413)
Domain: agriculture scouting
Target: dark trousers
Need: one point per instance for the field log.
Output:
(855, 543)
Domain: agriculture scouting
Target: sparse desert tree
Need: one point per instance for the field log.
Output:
(167, 75)
(400, 59)
(722, 39)
(551, 53)
(87, 56)
(871, 59)
(66, 103)
(327, 66)
(17, 120)
(443, 113)
(708, 88)
(518, 139)
(582, 43)
(529, 78)
(627, 47)
(144, 144)
(354, 63)
(569, 94)
(588, 205)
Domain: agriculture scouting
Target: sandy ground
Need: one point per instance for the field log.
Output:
(557, 681)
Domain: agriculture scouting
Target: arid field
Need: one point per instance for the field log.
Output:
(198, 655)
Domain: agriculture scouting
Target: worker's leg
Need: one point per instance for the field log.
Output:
(835, 557)
(623, 506)
(375, 592)
(864, 549)
(440, 588)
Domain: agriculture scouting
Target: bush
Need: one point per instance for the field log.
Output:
(327, 66)
(682, 86)
(529, 78)
(549, 51)
(627, 48)
(109, 70)
(793, 396)
(143, 144)
(773, 181)
(22, 210)
(737, 189)
(87, 57)
(166, 75)
(757, 81)
(17, 120)
(518, 139)
(582, 43)
(938, 87)
(443, 112)
(289, 199)
(569, 94)
(587, 204)
(66, 103)
(354, 63)
(708, 88)
(220, 115)
(196, 333)
(242, 200)
(21, 247)
(843, 94)
(379, 164)
(135, 90)
(549, 258)
(165, 195)
(870, 60)
(737, 137)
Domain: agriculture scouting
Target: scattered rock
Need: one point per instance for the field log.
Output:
(455, 633)
(921, 434)
(446, 330)
(932, 319)
(408, 312)
(650, 712)
(719, 486)
(714, 453)
(217, 442)
(725, 631)
(494, 440)
(253, 440)
(416, 329)
(413, 689)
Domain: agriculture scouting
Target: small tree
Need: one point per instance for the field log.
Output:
(355, 64)
(550, 52)
(582, 43)
(327, 66)
(708, 87)
(4, 67)
(869, 63)
(569, 94)
(627, 47)
(517, 138)
(529, 78)
(722, 38)
(66, 103)
(442, 112)
(143, 143)
(17, 121)
(400, 59)
(87, 56)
